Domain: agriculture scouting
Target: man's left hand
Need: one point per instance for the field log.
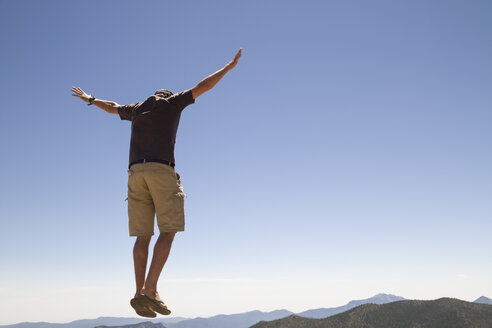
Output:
(233, 62)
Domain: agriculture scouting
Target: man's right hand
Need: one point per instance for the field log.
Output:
(109, 106)
(78, 92)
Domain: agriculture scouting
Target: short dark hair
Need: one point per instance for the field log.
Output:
(163, 93)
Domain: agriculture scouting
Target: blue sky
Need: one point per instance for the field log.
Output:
(347, 154)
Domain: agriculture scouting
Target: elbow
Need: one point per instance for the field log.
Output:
(205, 86)
(200, 88)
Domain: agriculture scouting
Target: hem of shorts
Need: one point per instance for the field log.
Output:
(171, 230)
(138, 234)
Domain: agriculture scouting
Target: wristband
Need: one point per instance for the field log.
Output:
(91, 98)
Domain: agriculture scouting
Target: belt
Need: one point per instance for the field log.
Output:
(168, 163)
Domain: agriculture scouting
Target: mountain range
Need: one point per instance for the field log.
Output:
(91, 323)
(323, 313)
(146, 324)
(441, 313)
(242, 320)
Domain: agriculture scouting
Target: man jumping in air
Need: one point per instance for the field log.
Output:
(154, 187)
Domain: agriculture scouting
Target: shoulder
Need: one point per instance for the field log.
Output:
(181, 99)
(151, 100)
(129, 107)
(127, 112)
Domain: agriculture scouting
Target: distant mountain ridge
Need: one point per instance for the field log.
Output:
(441, 313)
(483, 300)
(146, 324)
(324, 312)
(241, 320)
(91, 323)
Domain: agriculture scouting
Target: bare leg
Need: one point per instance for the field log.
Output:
(140, 255)
(161, 252)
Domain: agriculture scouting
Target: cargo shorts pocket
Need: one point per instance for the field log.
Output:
(180, 196)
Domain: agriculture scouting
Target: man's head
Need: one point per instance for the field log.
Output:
(163, 93)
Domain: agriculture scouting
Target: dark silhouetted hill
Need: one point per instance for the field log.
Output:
(441, 313)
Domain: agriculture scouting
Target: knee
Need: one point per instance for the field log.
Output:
(143, 241)
(167, 236)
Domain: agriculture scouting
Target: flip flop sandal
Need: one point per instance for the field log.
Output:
(155, 305)
(141, 309)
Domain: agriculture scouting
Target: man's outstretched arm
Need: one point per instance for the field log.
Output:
(210, 81)
(109, 106)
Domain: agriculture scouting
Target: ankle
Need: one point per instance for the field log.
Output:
(149, 291)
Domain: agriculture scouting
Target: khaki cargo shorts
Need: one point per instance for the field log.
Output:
(154, 189)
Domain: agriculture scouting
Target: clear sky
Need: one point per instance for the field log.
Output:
(347, 154)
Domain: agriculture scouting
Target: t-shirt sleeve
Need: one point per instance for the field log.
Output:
(181, 99)
(127, 112)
